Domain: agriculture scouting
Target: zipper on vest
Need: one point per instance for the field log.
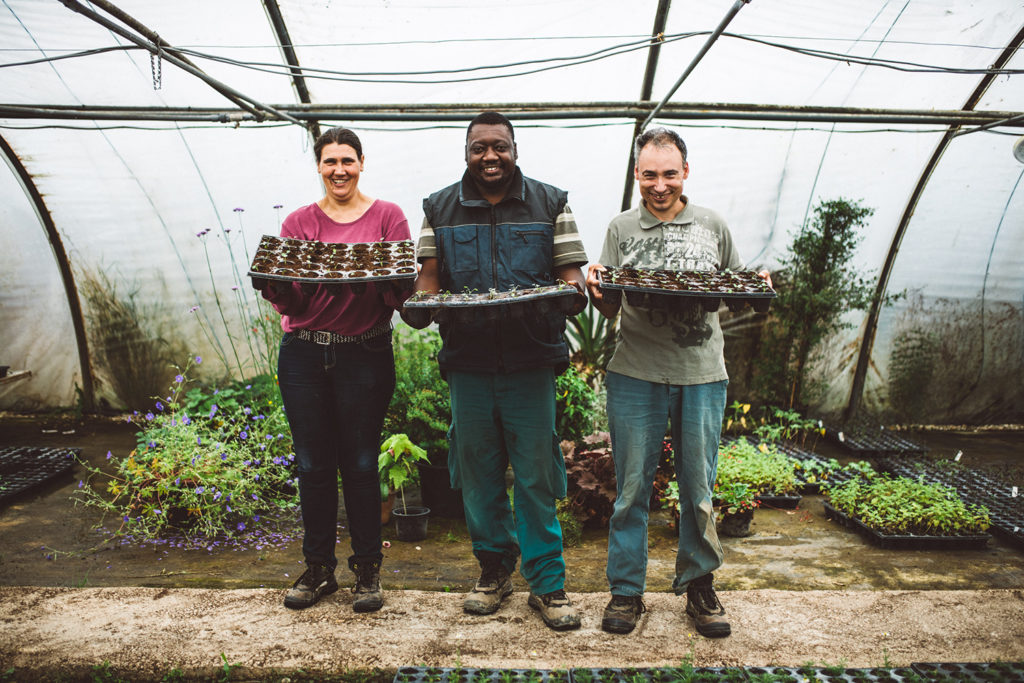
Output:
(494, 285)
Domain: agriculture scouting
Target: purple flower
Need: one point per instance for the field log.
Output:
(151, 444)
(179, 379)
(186, 420)
(125, 518)
(159, 406)
(269, 437)
(243, 435)
(177, 482)
(109, 455)
(255, 518)
(174, 423)
(228, 508)
(199, 360)
(248, 386)
(247, 410)
(80, 483)
(213, 409)
(241, 526)
(217, 495)
(255, 497)
(256, 477)
(150, 416)
(199, 441)
(277, 460)
(158, 511)
(239, 209)
(199, 490)
(223, 456)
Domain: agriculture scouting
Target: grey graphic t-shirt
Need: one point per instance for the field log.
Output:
(685, 346)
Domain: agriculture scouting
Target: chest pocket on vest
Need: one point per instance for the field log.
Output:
(465, 254)
(532, 251)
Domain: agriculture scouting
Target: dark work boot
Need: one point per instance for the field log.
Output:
(368, 596)
(495, 585)
(703, 606)
(622, 613)
(316, 582)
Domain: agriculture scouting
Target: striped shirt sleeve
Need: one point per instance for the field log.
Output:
(568, 247)
(426, 247)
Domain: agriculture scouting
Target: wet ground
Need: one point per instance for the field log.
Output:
(47, 541)
(800, 589)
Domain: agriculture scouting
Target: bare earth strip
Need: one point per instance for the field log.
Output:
(143, 632)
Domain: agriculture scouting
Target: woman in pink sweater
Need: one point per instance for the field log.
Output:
(337, 375)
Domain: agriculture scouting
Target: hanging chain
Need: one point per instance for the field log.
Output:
(155, 63)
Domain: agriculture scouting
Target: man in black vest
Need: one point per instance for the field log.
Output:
(499, 230)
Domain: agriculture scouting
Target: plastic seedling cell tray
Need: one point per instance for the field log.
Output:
(672, 288)
(834, 674)
(25, 468)
(493, 304)
(881, 442)
(294, 260)
(779, 502)
(970, 672)
(420, 674)
(907, 541)
(657, 675)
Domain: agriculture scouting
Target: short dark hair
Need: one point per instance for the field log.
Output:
(491, 118)
(339, 136)
(660, 137)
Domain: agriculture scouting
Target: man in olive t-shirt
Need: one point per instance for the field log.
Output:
(667, 364)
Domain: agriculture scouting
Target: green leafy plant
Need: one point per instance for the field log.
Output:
(397, 463)
(575, 409)
(421, 406)
(592, 342)
(735, 418)
(816, 285)
(205, 475)
(735, 498)
(762, 468)
(779, 424)
(907, 506)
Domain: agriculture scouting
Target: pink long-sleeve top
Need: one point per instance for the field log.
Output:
(346, 313)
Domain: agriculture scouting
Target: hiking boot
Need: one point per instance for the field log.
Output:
(316, 582)
(707, 612)
(367, 589)
(555, 609)
(622, 613)
(495, 585)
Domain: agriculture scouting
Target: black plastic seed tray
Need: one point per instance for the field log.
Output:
(421, 674)
(669, 288)
(293, 260)
(833, 674)
(658, 675)
(24, 468)
(907, 541)
(978, 488)
(492, 305)
(970, 672)
(865, 442)
(779, 502)
(797, 453)
(787, 447)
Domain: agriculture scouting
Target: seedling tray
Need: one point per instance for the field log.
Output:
(1005, 510)
(294, 260)
(493, 304)
(671, 288)
(949, 672)
(779, 502)
(832, 674)
(907, 541)
(23, 468)
(865, 442)
(422, 674)
(701, 674)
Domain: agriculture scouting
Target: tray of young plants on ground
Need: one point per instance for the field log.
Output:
(1004, 501)
(23, 468)
(832, 674)
(903, 513)
(969, 672)
(769, 473)
(865, 442)
(671, 288)
(286, 258)
(560, 297)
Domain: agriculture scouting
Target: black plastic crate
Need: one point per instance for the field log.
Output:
(836, 674)
(907, 541)
(973, 672)
(24, 468)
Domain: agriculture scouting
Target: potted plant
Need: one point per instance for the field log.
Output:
(397, 467)
(771, 475)
(736, 505)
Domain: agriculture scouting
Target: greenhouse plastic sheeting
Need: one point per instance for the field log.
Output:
(127, 198)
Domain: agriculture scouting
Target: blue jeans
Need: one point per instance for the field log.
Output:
(502, 420)
(637, 412)
(335, 397)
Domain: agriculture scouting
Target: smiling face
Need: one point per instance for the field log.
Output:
(340, 166)
(660, 171)
(491, 159)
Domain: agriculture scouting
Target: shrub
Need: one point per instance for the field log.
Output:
(575, 406)
(203, 474)
(420, 407)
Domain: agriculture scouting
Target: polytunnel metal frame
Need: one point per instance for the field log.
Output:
(644, 110)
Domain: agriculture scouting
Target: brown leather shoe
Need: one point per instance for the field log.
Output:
(494, 585)
(556, 610)
(368, 596)
(622, 613)
(703, 606)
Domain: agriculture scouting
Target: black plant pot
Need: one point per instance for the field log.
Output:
(411, 522)
(437, 493)
(736, 525)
